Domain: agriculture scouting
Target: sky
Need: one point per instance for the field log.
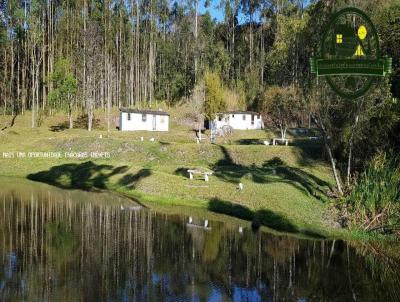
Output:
(215, 12)
(218, 13)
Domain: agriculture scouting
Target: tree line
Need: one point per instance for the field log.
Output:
(123, 53)
(139, 52)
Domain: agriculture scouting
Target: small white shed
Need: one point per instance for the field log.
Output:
(147, 120)
(239, 120)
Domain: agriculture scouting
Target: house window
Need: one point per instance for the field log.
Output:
(129, 116)
(233, 115)
(162, 119)
(258, 117)
(144, 117)
(339, 39)
(244, 117)
(252, 119)
(219, 117)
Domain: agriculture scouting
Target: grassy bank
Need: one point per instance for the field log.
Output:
(284, 186)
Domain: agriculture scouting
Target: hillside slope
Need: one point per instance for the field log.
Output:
(284, 186)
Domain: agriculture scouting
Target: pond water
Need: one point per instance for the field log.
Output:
(58, 245)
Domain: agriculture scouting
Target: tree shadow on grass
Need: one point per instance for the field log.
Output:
(248, 141)
(11, 123)
(85, 176)
(130, 180)
(262, 217)
(182, 171)
(232, 209)
(272, 171)
(311, 151)
(60, 127)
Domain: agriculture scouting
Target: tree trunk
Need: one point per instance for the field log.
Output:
(44, 61)
(11, 94)
(251, 40)
(90, 113)
(233, 41)
(85, 94)
(33, 90)
(330, 155)
(349, 159)
(333, 166)
(262, 63)
(71, 121)
(137, 55)
(283, 130)
(351, 141)
(199, 130)
(195, 39)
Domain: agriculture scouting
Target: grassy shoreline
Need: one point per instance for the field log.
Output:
(284, 186)
(200, 208)
(265, 217)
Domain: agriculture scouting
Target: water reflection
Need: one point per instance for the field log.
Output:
(76, 246)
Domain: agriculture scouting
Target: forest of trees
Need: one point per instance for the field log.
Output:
(137, 53)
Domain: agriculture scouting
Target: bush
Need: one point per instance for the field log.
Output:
(374, 202)
(214, 98)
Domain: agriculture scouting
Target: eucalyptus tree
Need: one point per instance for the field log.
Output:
(231, 11)
(36, 50)
(250, 8)
(65, 87)
(92, 68)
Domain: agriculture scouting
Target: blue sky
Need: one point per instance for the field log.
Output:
(213, 9)
(218, 13)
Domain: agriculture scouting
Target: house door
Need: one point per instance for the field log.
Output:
(252, 119)
(154, 122)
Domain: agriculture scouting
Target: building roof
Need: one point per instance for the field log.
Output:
(240, 112)
(145, 111)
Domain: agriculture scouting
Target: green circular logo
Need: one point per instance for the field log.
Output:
(350, 54)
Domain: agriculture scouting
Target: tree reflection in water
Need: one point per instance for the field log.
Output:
(76, 246)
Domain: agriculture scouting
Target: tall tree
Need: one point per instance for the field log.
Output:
(64, 86)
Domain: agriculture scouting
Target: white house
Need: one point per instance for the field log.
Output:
(148, 120)
(240, 120)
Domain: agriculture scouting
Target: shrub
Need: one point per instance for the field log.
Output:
(214, 98)
(374, 202)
